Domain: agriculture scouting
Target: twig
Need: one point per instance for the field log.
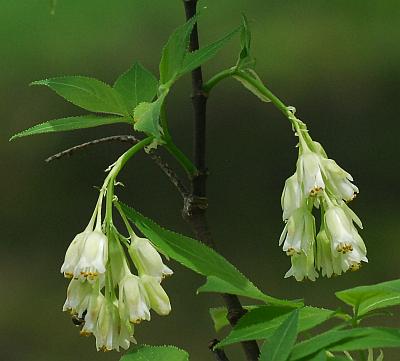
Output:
(219, 353)
(168, 171)
(195, 206)
(115, 138)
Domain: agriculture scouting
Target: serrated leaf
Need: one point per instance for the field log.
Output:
(195, 59)
(368, 298)
(250, 86)
(87, 93)
(175, 51)
(280, 344)
(71, 123)
(156, 353)
(195, 255)
(370, 337)
(262, 322)
(219, 316)
(136, 85)
(147, 117)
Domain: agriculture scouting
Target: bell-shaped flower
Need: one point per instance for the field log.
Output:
(94, 255)
(73, 253)
(158, 298)
(125, 336)
(303, 265)
(340, 181)
(310, 171)
(299, 232)
(146, 258)
(78, 296)
(92, 313)
(133, 302)
(291, 196)
(108, 326)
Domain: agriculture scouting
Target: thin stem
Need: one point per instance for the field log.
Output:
(211, 83)
(182, 159)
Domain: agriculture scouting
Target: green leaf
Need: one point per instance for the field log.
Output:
(137, 85)
(280, 344)
(219, 316)
(262, 322)
(195, 59)
(87, 93)
(71, 123)
(174, 52)
(156, 353)
(196, 256)
(367, 298)
(321, 356)
(147, 117)
(250, 86)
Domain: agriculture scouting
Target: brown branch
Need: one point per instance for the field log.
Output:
(219, 353)
(168, 171)
(195, 206)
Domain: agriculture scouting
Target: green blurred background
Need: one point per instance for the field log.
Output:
(337, 61)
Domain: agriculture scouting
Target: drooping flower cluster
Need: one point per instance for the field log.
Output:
(319, 182)
(104, 297)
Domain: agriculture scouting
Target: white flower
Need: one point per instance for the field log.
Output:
(310, 171)
(93, 257)
(348, 248)
(107, 328)
(125, 336)
(78, 295)
(298, 233)
(146, 258)
(291, 196)
(73, 253)
(133, 302)
(340, 181)
(158, 298)
(303, 266)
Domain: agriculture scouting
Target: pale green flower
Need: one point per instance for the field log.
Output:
(158, 298)
(303, 265)
(291, 196)
(310, 171)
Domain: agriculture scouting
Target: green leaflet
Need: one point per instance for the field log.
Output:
(156, 353)
(245, 60)
(196, 256)
(321, 356)
(262, 322)
(175, 51)
(367, 298)
(347, 340)
(71, 123)
(136, 85)
(87, 93)
(195, 59)
(279, 346)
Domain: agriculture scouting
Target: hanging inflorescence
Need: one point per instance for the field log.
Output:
(319, 182)
(104, 295)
